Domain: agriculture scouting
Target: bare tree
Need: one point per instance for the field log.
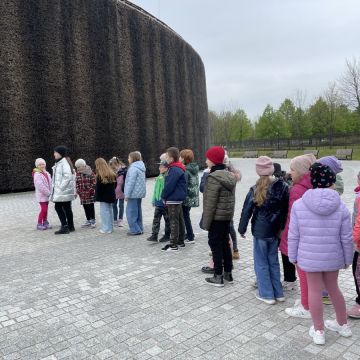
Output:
(333, 100)
(350, 84)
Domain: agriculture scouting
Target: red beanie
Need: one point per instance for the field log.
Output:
(216, 155)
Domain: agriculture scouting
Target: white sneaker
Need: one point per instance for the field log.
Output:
(120, 223)
(86, 224)
(288, 286)
(317, 335)
(343, 330)
(266, 301)
(298, 311)
(280, 299)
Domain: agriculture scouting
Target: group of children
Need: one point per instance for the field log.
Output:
(300, 214)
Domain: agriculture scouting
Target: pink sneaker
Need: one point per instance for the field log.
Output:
(120, 223)
(354, 312)
(41, 227)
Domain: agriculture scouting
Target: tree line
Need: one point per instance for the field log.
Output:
(336, 111)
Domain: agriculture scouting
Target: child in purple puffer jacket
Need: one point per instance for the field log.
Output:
(320, 243)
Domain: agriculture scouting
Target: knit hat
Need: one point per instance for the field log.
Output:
(321, 176)
(277, 170)
(62, 150)
(216, 155)
(264, 166)
(332, 162)
(80, 162)
(302, 163)
(39, 161)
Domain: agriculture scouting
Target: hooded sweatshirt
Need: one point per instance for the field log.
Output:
(135, 187)
(219, 197)
(320, 234)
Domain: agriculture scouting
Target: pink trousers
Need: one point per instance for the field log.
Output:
(303, 288)
(316, 283)
(43, 212)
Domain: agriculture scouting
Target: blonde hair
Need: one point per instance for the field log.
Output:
(135, 156)
(261, 189)
(104, 171)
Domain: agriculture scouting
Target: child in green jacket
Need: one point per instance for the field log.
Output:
(160, 208)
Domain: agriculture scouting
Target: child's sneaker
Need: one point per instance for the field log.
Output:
(216, 280)
(298, 311)
(354, 312)
(189, 241)
(228, 277)
(207, 270)
(343, 330)
(86, 224)
(170, 248)
(236, 255)
(164, 239)
(48, 226)
(93, 224)
(120, 223)
(266, 301)
(41, 227)
(326, 300)
(153, 238)
(318, 336)
(289, 285)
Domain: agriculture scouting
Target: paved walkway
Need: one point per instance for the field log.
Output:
(93, 296)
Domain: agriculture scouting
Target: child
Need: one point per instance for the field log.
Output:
(42, 183)
(63, 189)
(135, 191)
(120, 170)
(105, 194)
(266, 203)
(336, 166)
(320, 243)
(354, 312)
(173, 195)
(218, 211)
(85, 188)
(300, 175)
(160, 209)
(192, 196)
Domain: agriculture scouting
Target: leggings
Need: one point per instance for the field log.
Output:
(289, 269)
(317, 281)
(43, 212)
(303, 288)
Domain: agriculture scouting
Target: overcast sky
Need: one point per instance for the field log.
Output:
(257, 52)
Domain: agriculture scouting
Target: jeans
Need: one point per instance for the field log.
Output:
(158, 214)
(177, 226)
(106, 214)
(187, 221)
(89, 211)
(267, 268)
(65, 214)
(218, 236)
(289, 269)
(134, 216)
(119, 202)
(233, 236)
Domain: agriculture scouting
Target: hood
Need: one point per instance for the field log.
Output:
(178, 164)
(192, 168)
(87, 170)
(139, 165)
(322, 201)
(225, 178)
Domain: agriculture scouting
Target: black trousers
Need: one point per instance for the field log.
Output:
(219, 236)
(65, 213)
(89, 211)
(356, 274)
(177, 225)
(158, 214)
(289, 269)
(187, 221)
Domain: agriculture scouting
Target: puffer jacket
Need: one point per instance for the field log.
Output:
(192, 180)
(63, 182)
(175, 184)
(135, 187)
(219, 198)
(296, 192)
(268, 219)
(42, 183)
(320, 234)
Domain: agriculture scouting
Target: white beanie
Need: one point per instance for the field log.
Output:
(80, 162)
(39, 161)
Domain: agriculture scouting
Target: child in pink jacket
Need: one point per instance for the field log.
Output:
(42, 183)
